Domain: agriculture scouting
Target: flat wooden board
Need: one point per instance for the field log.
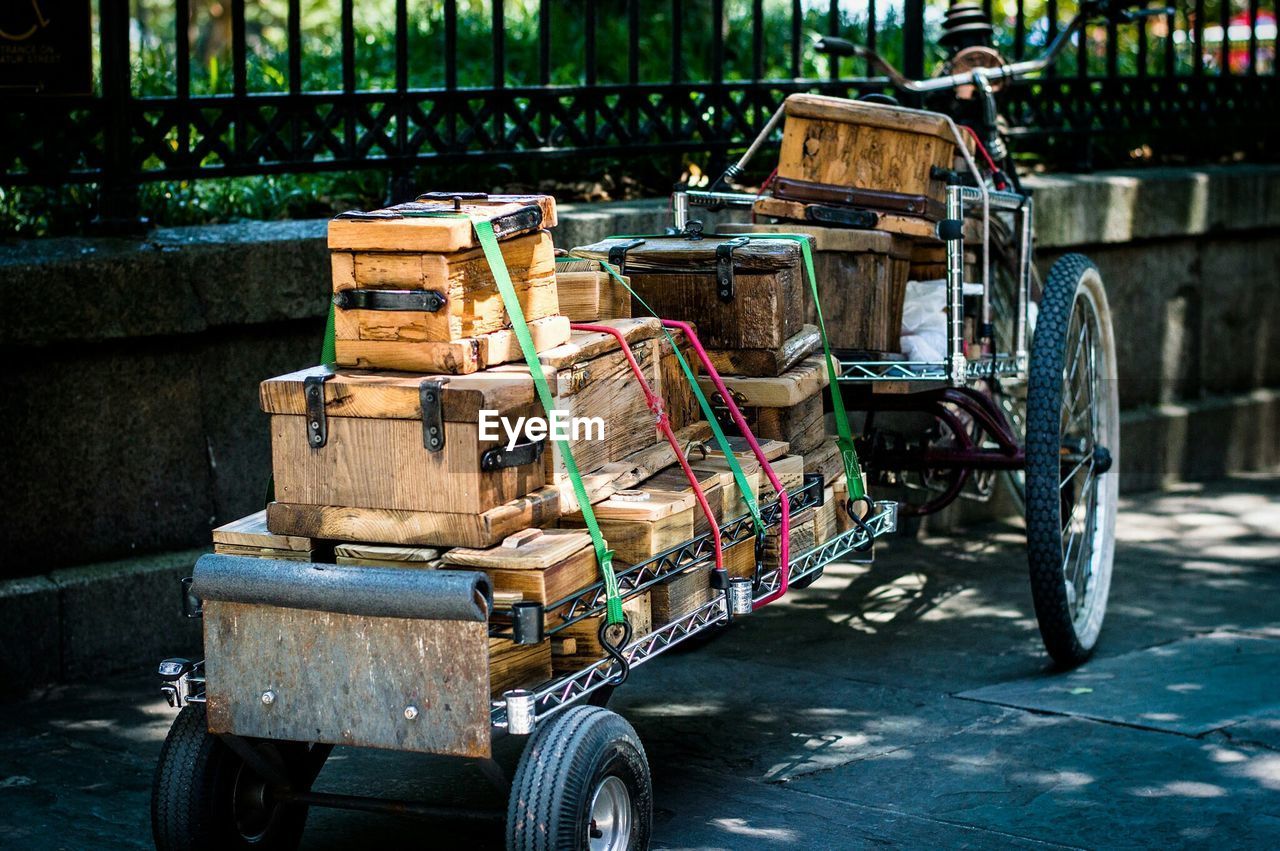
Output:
(801, 382)
(633, 469)
(385, 553)
(680, 253)
(420, 528)
(411, 233)
(771, 449)
(680, 595)
(529, 549)
(514, 665)
(586, 345)
(251, 532)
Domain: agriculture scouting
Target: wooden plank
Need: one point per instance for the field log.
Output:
(251, 532)
(422, 528)
(263, 552)
(734, 505)
(802, 425)
(767, 362)
(673, 386)
(771, 449)
(514, 665)
(790, 472)
(378, 555)
(825, 523)
(456, 357)
(441, 668)
(631, 470)
(431, 234)
(803, 538)
(583, 346)
(638, 524)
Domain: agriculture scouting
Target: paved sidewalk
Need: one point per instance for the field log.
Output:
(903, 704)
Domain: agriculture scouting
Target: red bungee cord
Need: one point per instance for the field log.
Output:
(784, 539)
(654, 401)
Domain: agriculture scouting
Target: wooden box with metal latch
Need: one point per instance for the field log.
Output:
(588, 294)
(862, 281)
(400, 458)
(413, 289)
(840, 158)
(740, 292)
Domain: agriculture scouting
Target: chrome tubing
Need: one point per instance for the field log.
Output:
(1023, 308)
(956, 360)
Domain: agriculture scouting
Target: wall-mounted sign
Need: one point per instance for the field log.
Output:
(46, 47)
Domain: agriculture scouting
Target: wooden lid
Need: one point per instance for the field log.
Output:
(396, 395)
(884, 116)
(681, 253)
(834, 239)
(674, 480)
(410, 227)
(641, 503)
(531, 549)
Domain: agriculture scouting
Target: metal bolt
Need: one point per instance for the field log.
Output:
(411, 713)
(433, 430)
(315, 425)
(268, 697)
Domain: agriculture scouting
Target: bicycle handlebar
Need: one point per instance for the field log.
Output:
(1116, 11)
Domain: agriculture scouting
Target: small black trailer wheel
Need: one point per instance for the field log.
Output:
(206, 798)
(582, 785)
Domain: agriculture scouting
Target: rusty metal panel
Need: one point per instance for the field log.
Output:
(347, 679)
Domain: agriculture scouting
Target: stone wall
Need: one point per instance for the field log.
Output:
(132, 427)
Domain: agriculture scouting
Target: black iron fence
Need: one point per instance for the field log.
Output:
(597, 78)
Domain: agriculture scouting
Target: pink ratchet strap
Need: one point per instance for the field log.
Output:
(784, 539)
(654, 402)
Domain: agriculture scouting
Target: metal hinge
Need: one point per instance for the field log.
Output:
(499, 458)
(850, 217)
(618, 254)
(724, 266)
(317, 420)
(428, 301)
(431, 399)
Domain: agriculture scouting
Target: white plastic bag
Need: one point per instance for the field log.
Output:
(924, 321)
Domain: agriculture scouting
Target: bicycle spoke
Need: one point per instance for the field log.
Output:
(1087, 461)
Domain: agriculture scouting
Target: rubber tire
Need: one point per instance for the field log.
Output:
(1043, 471)
(563, 762)
(192, 789)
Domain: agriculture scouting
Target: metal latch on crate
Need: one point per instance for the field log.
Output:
(431, 400)
(724, 266)
(317, 420)
(428, 301)
(618, 254)
(850, 217)
(499, 458)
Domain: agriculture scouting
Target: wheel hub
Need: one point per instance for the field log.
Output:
(1101, 460)
(610, 828)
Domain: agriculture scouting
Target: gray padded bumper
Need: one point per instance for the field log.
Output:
(450, 595)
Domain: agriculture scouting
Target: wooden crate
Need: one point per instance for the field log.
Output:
(587, 294)
(767, 362)
(868, 155)
(249, 536)
(825, 460)
(409, 227)
(677, 277)
(790, 472)
(641, 522)
(803, 538)
(373, 460)
(862, 280)
(826, 523)
(514, 665)
(788, 407)
(678, 399)
(577, 646)
(676, 597)
(542, 566)
(768, 209)
(734, 505)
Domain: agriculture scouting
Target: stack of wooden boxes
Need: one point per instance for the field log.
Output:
(743, 296)
(395, 456)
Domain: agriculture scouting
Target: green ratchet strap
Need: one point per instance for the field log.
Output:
(744, 487)
(844, 434)
(329, 348)
(604, 556)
